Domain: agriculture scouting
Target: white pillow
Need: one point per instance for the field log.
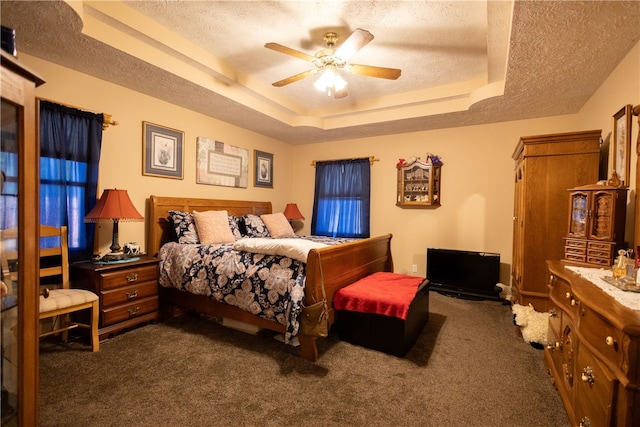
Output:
(213, 227)
(292, 248)
(278, 225)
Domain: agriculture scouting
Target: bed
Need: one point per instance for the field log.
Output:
(339, 265)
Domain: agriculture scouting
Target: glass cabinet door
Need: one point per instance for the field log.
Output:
(10, 286)
(602, 218)
(19, 182)
(579, 214)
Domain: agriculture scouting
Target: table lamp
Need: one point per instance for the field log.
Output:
(115, 206)
(292, 212)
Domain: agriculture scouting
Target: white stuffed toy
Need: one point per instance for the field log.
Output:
(534, 325)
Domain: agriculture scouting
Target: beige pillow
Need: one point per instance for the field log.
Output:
(213, 227)
(278, 225)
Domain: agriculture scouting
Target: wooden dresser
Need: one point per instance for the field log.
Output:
(128, 292)
(546, 167)
(593, 354)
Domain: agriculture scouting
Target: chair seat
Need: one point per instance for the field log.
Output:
(63, 298)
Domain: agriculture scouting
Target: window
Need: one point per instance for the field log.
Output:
(342, 198)
(70, 142)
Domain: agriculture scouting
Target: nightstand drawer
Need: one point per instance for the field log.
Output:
(129, 293)
(130, 276)
(129, 311)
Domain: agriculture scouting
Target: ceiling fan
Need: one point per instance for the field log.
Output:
(331, 61)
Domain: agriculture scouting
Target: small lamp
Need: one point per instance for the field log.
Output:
(292, 212)
(115, 206)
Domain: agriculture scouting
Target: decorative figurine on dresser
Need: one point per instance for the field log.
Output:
(596, 224)
(419, 182)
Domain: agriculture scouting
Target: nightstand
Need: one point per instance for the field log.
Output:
(128, 292)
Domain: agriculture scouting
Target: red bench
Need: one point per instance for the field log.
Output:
(383, 311)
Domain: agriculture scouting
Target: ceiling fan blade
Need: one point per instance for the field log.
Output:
(295, 78)
(356, 41)
(371, 71)
(288, 51)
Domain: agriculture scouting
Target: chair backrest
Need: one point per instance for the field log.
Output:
(9, 258)
(54, 258)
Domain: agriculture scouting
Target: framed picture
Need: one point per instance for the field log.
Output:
(621, 143)
(221, 164)
(263, 176)
(162, 151)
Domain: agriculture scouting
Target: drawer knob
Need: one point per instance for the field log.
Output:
(585, 422)
(567, 295)
(132, 277)
(133, 311)
(611, 342)
(574, 302)
(132, 294)
(587, 375)
(552, 313)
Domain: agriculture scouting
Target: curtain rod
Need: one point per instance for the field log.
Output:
(371, 160)
(106, 118)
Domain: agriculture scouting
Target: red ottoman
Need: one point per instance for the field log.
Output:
(383, 311)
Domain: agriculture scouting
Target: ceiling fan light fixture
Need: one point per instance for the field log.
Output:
(330, 82)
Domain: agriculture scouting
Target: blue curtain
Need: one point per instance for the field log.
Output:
(70, 142)
(342, 198)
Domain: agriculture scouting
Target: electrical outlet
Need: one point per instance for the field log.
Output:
(414, 268)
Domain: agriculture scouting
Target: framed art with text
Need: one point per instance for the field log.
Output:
(621, 143)
(221, 164)
(163, 151)
(263, 176)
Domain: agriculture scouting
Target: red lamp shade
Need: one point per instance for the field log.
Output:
(292, 212)
(114, 205)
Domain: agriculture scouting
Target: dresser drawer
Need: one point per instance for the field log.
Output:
(603, 336)
(128, 311)
(575, 244)
(561, 293)
(129, 293)
(129, 276)
(595, 391)
(575, 257)
(606, 262)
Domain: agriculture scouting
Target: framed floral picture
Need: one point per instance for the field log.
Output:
(621, 144)
(263, 176)
(162, 151)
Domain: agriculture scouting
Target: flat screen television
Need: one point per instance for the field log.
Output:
(464, 274)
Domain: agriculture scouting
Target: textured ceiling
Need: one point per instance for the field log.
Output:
(463, 62)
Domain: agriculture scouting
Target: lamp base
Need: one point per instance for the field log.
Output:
(115, 257)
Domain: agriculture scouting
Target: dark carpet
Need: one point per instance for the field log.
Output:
(468, 368)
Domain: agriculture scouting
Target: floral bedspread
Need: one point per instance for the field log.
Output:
(269, 286)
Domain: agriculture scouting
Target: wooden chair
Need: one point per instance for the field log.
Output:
(57, 299)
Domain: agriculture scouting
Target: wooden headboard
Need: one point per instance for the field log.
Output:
(160, 228)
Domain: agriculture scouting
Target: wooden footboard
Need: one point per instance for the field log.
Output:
(336, 266)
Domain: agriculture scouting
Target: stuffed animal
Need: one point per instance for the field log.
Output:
(505, 291)
(534, 325)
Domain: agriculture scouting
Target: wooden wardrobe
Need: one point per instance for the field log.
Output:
(546, 167)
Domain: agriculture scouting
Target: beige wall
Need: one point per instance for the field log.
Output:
(477, 176)
(121, 159)
(621, 87)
